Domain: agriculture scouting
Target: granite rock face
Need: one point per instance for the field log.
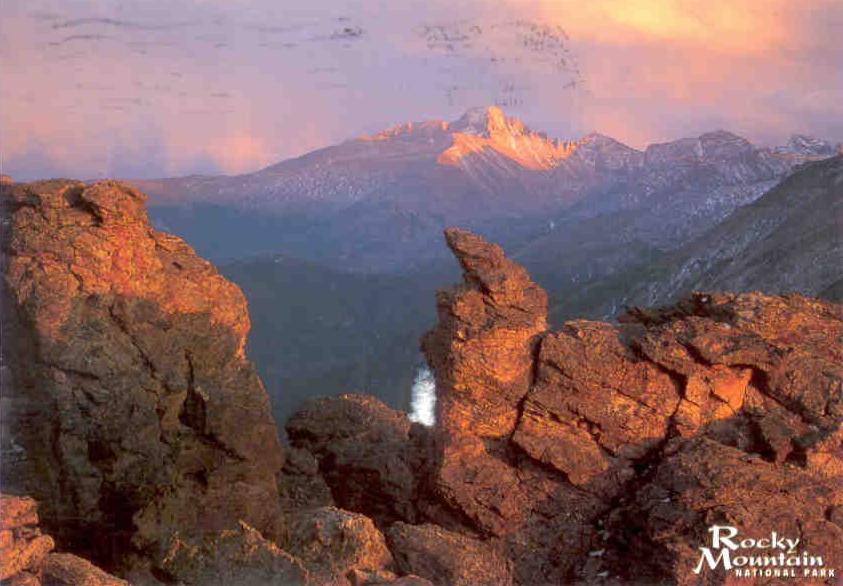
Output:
(446, 557)
(322, 546)
(701, 483)
(232, 556)
(337, 545)
(133, 409)
(482, 354)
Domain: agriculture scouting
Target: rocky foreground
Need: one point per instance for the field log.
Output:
(598, 453)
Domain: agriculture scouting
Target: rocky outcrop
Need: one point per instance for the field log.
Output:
(597, 453)
(595, 412)
(700, 483)
(339, 547)
(130, 411)
(232, 556)
(482, 354)
(300, 485)
(27, 557)
(370, 455)
(324, 546)
(133, 411)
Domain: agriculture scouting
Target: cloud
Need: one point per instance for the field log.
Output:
(737, 26)
(261, 81)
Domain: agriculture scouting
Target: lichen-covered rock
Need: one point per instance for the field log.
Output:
(136, 413)
(321, 546)
(445, 557)
(64, 569)
(594, 403)
(775, 360)
(381, 577)
(481, 347)
(22, 546)
(300, 484)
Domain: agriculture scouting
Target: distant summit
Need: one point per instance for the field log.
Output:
(486, 121)
(489, 133)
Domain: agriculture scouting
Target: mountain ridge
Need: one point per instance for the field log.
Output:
(788, 240)
(377, 203)
(490, 128)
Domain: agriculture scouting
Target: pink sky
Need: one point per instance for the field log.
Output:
(148, 88)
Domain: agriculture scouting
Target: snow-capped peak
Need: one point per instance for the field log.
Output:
(486, 121)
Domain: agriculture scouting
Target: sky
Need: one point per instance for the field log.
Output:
(154, 88)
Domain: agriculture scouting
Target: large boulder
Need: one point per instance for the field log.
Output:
(338, 546)
(700, 484)
(371, 456)
(133, 410)
(233, 556)
(321, 546)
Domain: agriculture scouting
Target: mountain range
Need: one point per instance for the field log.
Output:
(378, 203)
(339, 251)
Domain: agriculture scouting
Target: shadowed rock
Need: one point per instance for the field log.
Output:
(134, 410)
(370, 455)
(444, 557)
(26, 557)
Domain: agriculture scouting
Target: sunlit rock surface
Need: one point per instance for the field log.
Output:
(563, 451)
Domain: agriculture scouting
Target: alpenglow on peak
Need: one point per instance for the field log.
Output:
(488, 132)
